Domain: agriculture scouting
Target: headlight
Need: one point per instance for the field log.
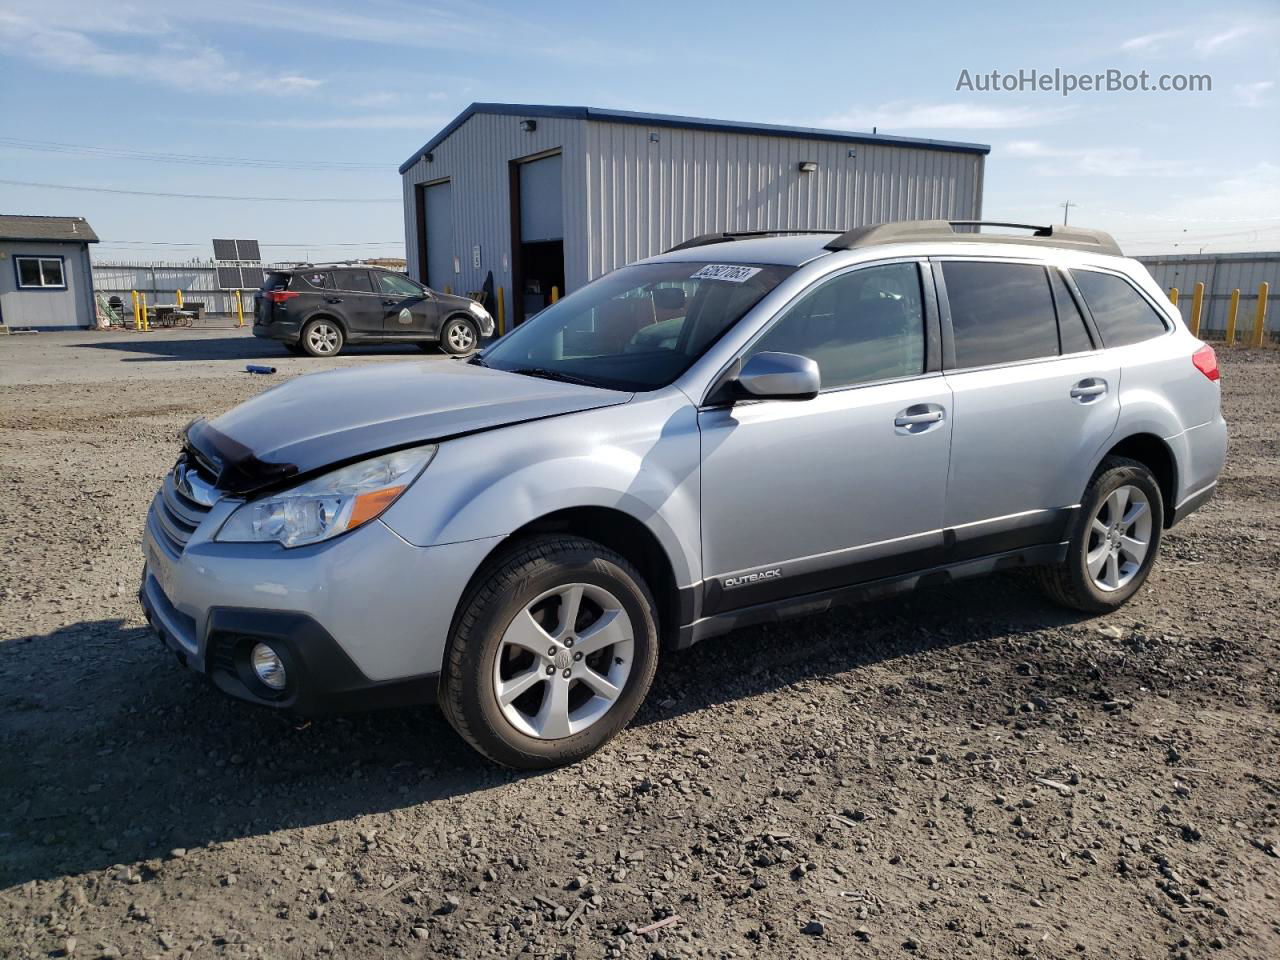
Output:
(478, 310)
(329, 505)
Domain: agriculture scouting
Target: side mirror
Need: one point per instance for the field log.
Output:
(778, 376)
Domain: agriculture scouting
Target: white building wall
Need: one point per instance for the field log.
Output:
(69, 308)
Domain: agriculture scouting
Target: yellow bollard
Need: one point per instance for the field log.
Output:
(448, 289)
(555, 294)
(1260, 316)
(1197, 304)
(146, 321)
(137, 320)
(178, 295)
(239, 310)
(1231, 316)
(502, 310)
(1173, 295)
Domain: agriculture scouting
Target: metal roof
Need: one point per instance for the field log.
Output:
(46, 229)
(532, 110)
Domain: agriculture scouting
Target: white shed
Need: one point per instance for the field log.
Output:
(46, 280)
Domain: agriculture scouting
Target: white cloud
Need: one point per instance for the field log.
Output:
(901, 117)
(1250, 196)
(1207, 46)
(1052, 161)
(165, 59)
(1253, 94)
(1150, 42)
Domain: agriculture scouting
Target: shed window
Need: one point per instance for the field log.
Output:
(40, 272)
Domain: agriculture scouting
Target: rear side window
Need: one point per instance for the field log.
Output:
(1072, 332)
(1000, 312)
(1122, 315)
(320, 279)
(353, 280)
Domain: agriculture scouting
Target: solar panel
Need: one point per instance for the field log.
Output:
(247, 250)
(225, 250)
(252, 277)
(228, 278)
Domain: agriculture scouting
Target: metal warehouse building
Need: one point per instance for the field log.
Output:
(525, 198)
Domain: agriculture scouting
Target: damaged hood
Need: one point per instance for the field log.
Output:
(324, 419)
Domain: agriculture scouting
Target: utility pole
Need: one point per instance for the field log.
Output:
(1066, 208)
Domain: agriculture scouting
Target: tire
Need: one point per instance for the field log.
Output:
(322, 338)
(459, 337)
(520, 599)
(1114, 493)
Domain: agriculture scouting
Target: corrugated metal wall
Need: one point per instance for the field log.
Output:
(628, 196)
(1221, 273)
(198, 282)
(645, 196)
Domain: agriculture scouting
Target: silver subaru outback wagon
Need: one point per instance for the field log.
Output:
(741, 429)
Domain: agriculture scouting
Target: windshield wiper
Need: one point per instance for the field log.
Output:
(546, 374)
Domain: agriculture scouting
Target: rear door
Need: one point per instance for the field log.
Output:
(1035, 401)
(801, 496)
(407, 309)
(356, 301)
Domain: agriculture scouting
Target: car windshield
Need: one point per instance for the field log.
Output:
(637, 328)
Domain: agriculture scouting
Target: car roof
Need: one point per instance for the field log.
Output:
(334, 266)
(784, 250)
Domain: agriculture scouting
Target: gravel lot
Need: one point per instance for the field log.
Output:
(962, 772)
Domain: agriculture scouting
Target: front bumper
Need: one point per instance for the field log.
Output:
(360, 620)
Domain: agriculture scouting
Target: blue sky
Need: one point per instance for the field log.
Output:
(332, 97)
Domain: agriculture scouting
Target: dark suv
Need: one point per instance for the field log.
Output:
(318, 308)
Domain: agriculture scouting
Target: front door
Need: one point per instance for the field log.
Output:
(408, 309)
(1034, 404)
(800, 496)
(356, 302)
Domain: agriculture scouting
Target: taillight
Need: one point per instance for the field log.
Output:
(280, 296)
(1206, 361)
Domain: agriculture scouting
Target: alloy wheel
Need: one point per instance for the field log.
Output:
(323, 338)
(563, 661)
(1119, 538)
(461, 337)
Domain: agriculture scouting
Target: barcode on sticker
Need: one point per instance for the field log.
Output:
(734, 273)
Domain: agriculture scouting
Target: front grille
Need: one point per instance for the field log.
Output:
(177, 515)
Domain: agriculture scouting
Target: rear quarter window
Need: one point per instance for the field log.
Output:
(1121, 313)
(319, 279)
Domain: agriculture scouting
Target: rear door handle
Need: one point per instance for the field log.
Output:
(333, 300)
(1089, 390)
(918, 418)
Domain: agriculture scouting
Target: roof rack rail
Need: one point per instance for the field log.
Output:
(906, 231)
(706, 238)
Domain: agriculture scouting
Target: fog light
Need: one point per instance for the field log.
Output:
(268, 666)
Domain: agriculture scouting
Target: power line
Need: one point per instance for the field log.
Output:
(300, 243)
(194, 196)
(118, 153)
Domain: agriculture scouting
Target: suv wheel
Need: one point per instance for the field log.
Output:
(1114, 539)
(321, 338)
(552, 653)
(459, 337)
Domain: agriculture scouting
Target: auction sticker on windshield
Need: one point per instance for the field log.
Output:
(734, 273)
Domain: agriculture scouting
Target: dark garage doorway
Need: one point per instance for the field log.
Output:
(537, 233)
(435, 234)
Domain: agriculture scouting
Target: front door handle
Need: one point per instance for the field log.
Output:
(918, 418)
(1089, 390)
(389, 303)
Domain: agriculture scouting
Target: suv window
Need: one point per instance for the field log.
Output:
(1000, 312)
(320, 279)
(864, 325)
(357, 280)
(395, 285)
(1122, 314)
(1073, 335)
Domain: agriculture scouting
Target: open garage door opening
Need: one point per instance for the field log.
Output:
(537, 233)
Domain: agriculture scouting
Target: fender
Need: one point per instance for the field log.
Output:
(640, 458)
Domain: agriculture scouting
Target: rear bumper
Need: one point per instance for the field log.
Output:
(286, 330)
